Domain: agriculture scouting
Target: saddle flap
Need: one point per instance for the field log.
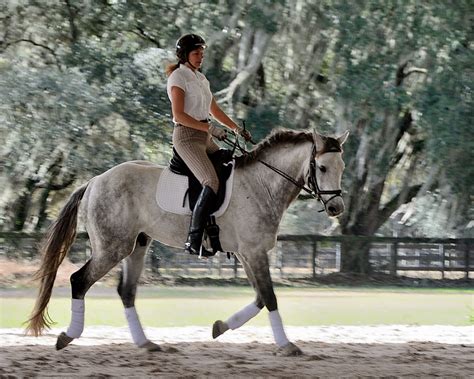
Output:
(172, 192)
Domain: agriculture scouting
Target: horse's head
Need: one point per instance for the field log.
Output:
(326, 172)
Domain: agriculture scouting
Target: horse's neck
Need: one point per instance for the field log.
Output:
(270, 188)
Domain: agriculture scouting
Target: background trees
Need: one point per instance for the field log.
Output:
(82, 89)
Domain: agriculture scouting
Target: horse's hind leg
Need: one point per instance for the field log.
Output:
(101, 262)
(245, 314)
(127, 289)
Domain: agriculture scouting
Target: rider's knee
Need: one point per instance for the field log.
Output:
(212, 183)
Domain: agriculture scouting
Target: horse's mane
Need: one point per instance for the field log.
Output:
(276, 137)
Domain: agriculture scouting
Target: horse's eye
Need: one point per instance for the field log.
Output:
(322, 168)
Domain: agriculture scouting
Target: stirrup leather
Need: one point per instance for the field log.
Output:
(212, 231)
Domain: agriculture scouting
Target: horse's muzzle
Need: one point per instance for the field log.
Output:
(335, 206)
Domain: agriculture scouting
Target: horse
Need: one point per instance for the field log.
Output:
(122, 218)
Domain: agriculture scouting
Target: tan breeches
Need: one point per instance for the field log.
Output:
(192, 146)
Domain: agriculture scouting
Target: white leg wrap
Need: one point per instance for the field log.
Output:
(135, 326)
(241, 317)
(277, 328)
(77, 318)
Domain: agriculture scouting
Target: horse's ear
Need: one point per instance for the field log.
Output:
(342, 138)
(318, 140)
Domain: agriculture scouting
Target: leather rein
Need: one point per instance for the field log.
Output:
(313, 190)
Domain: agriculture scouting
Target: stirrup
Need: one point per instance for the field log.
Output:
(202, 253)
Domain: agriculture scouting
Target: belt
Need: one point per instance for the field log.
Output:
(205, 120)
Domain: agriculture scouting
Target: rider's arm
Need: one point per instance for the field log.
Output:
(220, 115)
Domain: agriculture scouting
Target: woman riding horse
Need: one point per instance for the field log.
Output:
(191, 103)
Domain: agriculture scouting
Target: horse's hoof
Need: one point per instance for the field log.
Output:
(63, 341)
(289, 350)
(150, 346)
(219, 327)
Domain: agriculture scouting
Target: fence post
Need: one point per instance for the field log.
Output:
(235, 266)
(338, 256)
(466, 258)
(443, 258)
(315, 252)
(282, 264)
(394, 258)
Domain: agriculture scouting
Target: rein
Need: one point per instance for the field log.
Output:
(313, 189)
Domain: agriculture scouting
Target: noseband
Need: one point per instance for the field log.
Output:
(313, 189)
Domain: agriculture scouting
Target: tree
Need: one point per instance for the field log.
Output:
(389, 64)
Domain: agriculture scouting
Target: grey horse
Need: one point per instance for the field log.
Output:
(122, 218)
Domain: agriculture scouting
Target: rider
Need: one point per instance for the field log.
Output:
(191, 103)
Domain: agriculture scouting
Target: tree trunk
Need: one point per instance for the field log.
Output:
(260, 41)
(355, 257)
(371, 201)
(22, 205)
(43, 199)
(52, 182)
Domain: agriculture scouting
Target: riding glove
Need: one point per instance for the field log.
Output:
(244, 133)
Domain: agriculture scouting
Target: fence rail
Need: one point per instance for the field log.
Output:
(295, 255)
(392, 254)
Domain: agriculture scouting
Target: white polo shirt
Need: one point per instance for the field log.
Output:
(197, 92)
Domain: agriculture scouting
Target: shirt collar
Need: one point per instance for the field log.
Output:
(184, 67)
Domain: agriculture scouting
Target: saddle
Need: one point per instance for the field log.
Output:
(221, 161)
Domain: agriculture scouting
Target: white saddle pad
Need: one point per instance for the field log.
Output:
(172, 188)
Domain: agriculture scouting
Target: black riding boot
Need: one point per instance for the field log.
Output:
(198, 222)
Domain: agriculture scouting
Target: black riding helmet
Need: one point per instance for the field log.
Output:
(186, 44)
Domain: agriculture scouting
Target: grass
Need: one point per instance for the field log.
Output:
(201, 306)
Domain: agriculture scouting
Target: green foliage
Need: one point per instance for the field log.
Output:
(262, 15)
(374, 39)
(447, 116)
(45, 111)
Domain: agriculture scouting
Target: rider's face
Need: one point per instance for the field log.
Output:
(196, 57)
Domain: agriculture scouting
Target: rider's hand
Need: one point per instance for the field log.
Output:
(244, 133)
(219, 133)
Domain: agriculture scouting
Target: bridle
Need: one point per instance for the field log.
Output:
(313, 181)
(312, 189)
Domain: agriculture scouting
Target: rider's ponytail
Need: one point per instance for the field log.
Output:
(171, 67)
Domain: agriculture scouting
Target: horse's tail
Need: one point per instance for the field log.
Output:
(54, 248)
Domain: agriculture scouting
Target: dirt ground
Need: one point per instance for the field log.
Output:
(217, 360)
(19, 273)
(385, 351)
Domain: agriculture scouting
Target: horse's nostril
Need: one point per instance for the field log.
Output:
(332, 210)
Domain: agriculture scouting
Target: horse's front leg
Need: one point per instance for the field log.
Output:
(260, 268)
(258, 271)
(242, 316)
